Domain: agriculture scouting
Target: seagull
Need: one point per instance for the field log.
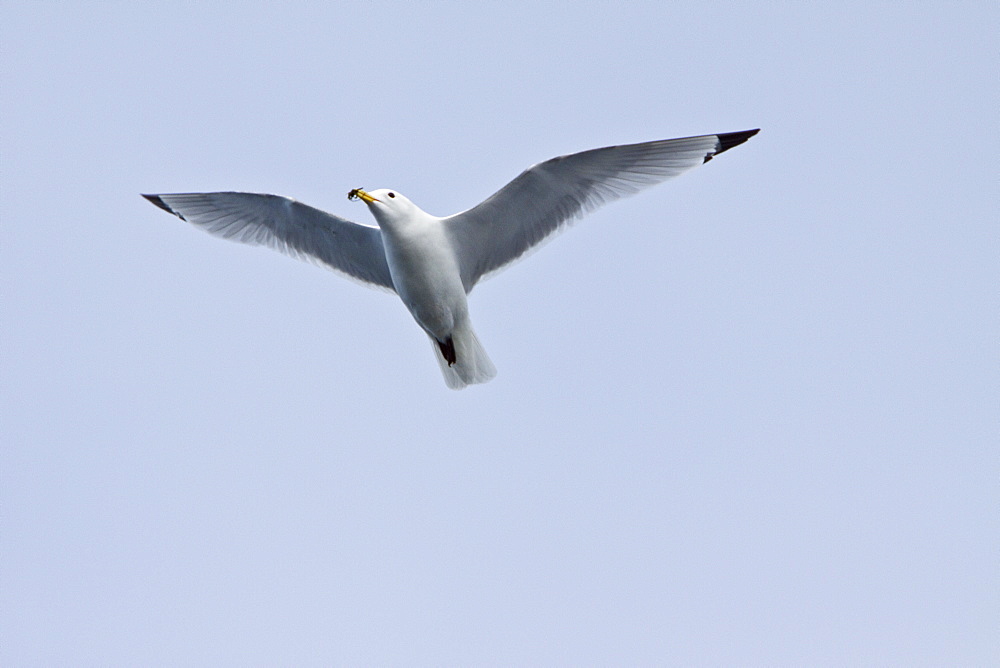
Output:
(433, 263)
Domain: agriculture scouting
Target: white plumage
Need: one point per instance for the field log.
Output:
(433, 263)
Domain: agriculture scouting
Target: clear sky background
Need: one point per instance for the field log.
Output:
(746, 417)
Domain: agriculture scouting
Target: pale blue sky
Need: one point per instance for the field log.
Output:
(746, 417)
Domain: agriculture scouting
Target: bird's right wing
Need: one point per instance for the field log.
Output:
(547, 196)
(286, 225)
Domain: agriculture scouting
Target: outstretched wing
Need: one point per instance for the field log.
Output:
(286, 225)
(547, 196)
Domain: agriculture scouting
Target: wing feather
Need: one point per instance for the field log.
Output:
(549, 195)
(288, 226)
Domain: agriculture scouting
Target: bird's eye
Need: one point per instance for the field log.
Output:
(392, 194)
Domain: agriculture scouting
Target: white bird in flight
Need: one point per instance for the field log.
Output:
(433, 263)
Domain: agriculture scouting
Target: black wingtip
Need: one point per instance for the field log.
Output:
(158, 201)
(727, 140)
(155, 199)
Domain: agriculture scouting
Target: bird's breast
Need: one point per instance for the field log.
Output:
(425, 273)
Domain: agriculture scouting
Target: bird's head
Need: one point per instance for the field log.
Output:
(388, 206)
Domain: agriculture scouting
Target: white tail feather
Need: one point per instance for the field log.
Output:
(472, 364)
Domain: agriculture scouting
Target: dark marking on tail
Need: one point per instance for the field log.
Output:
(447, 350)
(727, 140)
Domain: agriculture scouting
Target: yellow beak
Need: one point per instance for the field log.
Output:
(365, 197)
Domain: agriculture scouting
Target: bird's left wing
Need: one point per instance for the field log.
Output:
(288, 226)
(547, 196)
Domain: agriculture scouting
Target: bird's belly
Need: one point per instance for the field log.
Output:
(426, 278)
